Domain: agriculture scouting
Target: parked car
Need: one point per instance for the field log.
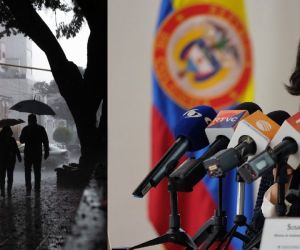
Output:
(58, 154)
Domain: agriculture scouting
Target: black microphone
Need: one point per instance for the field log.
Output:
(251, 137)
(284, 144)
(218, 132)
(190, 134)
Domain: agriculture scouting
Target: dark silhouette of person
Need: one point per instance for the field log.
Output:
(35, 137)
(8, 152)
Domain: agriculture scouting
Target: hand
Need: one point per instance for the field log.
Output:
(274, 187)
(46, 155)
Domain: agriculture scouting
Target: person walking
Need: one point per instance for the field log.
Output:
(35, 138)
(8, 152)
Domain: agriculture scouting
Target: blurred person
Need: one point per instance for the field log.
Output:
(8, 152)
(267, 194)
(35, 137)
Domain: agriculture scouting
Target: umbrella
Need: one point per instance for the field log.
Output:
(33, 107)
(10, 122)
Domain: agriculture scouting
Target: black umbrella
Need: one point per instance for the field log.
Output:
(10, 122)
(33, 107)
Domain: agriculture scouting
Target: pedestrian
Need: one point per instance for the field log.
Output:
(35, 138)
(8, 152)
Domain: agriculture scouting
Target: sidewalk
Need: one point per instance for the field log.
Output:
(41, 221)
(89, 231)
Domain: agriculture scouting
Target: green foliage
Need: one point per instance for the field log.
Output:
(41, 87)
(62, 135)
(71, 29)
(8, 22)
(55, 100)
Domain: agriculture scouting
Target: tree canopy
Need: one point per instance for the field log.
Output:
(10, 24)
(54, 99)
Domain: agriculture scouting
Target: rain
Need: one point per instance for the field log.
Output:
(49, 217)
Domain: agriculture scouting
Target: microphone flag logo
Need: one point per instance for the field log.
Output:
(263, 124)
(294, 121)
(192, 113)
(228, 118)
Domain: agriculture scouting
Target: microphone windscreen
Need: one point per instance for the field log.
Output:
(251, 107)
(279, 116)
(192, 126)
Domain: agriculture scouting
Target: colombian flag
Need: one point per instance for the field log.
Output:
(201, 56)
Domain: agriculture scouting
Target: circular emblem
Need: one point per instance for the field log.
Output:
(202, 56)
(263, 125)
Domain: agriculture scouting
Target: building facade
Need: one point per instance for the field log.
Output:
(16, 84)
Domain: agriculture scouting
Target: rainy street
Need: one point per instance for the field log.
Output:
(39, 221)
(53, 107)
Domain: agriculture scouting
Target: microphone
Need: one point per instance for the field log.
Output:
(285, 144)
(218, 132)
(290, 128)
(190, 136)
(252, 136)
(226, 121)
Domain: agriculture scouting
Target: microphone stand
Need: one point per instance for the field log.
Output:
(175, 234)
(281, 179)
(215, 228)
(254, 242)
(240, 219)
(280, 207)
(293, 194)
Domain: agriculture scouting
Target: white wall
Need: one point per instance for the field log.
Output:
(130, 35)
(274, 27)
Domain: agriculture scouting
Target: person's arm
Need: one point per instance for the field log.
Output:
(269, 203)
(17, 150)
(23, 135)
(45, 142)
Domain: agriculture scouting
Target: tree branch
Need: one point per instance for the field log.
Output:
(31, 24)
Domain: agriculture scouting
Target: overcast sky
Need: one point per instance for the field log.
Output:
(75, 48)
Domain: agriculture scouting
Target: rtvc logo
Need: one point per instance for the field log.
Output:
(226, 119)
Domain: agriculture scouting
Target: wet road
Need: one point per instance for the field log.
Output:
(40, 221)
